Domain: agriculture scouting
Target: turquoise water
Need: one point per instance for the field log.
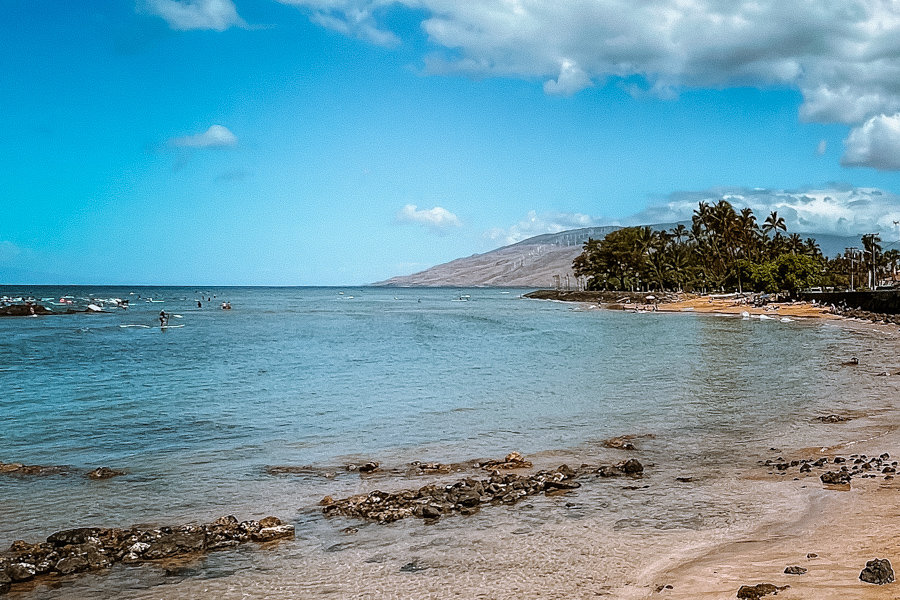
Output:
(327, 376)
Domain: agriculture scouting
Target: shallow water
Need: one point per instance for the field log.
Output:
(310, 376)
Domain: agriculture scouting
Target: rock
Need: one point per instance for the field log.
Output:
(758, 591)
(632, 466)
(622, 442)
(269, 522)
(103, 473)
(73, 536)
(369, 467)
(21, 571)
(275, 532)
(513, 460)
(794, 570)
(812, 555)
(877, 571)
(430, 512)
(5, 582)
(72, 564)
(835, 478)
(833, 419)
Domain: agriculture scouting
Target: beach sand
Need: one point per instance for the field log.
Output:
(731, 307)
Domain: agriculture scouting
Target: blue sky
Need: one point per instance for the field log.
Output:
(331, 142)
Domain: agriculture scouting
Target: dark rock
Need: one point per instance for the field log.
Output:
(5, 582)
(552, 484)
(833, 419)
(104, 473)
(73, 536)
(412, 567)
(72, 564)
(430, 512)
(795, 570)
(877, 571)
(632, 466)
(21, 571)
(758, 591)
(369, 467)
(835, 478)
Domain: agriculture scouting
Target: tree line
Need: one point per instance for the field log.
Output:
(726, 250)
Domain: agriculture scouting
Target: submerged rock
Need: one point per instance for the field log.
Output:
(103, 473)
(833, 419)
(795, 570)
(38, 470)
(93, 548)
(758, 591)
(877, 571)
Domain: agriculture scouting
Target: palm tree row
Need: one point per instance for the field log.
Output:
(722, 249)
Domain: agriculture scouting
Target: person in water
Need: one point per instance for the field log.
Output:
(163, 318)
(199, 304)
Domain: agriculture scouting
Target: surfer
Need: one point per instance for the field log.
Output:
(163, 318)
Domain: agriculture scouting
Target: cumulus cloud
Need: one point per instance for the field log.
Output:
(216, 136)
(839, 210)
(437, 218)
(534, 224)
(821, 148)
(844, 57)
(875, 143)
(184, 15)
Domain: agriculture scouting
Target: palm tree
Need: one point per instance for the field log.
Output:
(872, 249)
(812, 247)
(773, 223)
(680, 232)
(795, 244)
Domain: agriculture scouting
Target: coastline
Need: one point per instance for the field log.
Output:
(832, 531)
(704, 518)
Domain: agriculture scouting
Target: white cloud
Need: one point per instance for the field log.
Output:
(836, 210)
(534, 224)
(356, 18)
(218, 15)
(215, 137)
(821, 148)
(875, 143)
(844, 57)
(436, 218)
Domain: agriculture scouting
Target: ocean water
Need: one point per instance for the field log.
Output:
(326, 377)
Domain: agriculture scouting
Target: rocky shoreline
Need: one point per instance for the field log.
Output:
(467, 496)
(92, 548)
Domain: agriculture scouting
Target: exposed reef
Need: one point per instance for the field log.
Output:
(93, 548)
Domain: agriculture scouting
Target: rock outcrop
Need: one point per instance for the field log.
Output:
(93, 548)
